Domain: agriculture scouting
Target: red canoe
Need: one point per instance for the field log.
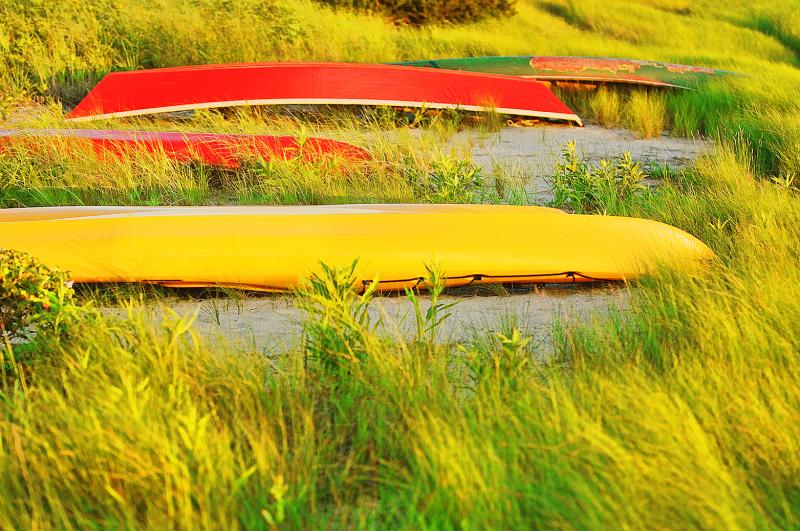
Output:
(198, 87)
(214, 149)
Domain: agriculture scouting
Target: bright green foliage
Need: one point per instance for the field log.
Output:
(63, 47)
(419, 12)
(338, 317)
(33, 297)
(505, 359)
(608, 187)
(429, 321)
(782, 24)
(678, 411)
(452, 180)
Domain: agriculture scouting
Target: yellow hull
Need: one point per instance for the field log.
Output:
(274, 248)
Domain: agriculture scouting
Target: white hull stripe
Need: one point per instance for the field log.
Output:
(323, 101)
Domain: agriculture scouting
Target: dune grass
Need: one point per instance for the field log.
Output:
(647, 113)
(606, 106)
(408, 164)
(680, 412)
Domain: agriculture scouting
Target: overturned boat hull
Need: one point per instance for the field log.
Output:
(197, 87)
(275, 248)
(582, 69)
(213, 149)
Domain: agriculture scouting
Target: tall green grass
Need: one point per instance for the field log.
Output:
(680, 412)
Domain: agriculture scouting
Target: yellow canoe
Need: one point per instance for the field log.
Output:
(275, 247)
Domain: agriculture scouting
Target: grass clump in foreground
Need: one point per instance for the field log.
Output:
(611, 187)
(31, 296)
(647, 114)
(644, 111)
(606, 107)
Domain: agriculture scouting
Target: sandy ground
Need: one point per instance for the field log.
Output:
(275, 323)
(534, 150)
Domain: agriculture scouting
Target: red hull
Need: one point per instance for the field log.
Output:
(218, 150)
(185, 88)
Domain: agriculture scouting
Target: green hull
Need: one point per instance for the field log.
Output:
(582, 69)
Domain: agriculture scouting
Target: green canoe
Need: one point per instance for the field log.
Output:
(582, 69)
